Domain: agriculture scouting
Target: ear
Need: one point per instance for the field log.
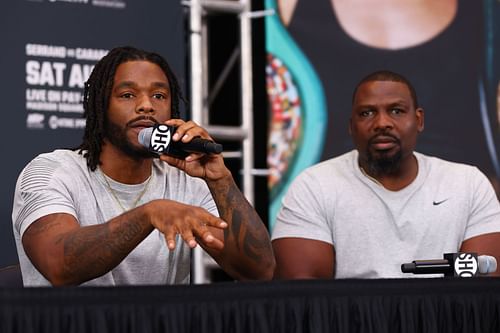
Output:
(419, 113)
(350, 126)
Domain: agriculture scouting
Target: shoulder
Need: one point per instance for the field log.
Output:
(60, 157)
(342, 162)
(438, 165)
(43, 168)
(327, 177)
(452, 174)
(336, 168)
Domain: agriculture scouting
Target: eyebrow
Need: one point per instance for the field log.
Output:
(161, 85)
(398, 102)
(132, 84)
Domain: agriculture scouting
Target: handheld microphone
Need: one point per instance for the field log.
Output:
(158, 139)
(453, 264)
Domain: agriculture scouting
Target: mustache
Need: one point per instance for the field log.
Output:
(142, 118)
(383, 135)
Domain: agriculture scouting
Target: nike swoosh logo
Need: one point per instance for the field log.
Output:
(435, 203)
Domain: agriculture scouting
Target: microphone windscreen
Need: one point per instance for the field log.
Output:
(486, 264)
(145, 136)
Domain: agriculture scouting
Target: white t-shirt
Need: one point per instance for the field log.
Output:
(60, 182)
(375, 230)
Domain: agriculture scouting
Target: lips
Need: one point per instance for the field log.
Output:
(137, 125)
(142, 123)
(384, 142)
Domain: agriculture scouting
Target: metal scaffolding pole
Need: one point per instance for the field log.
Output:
(200, 109)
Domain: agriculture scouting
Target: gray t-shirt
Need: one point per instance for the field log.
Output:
(60, 182)
(375, 230)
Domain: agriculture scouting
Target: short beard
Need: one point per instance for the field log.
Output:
(384, 164)
(118, 138)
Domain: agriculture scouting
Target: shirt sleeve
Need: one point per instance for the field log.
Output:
(303, 211)
(39, 192)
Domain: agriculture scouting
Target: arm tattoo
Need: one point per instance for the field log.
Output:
(39, 228)
(246, 230)
(95, 250)
(251, 246)
(236, 227)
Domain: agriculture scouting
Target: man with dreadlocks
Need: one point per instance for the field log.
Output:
(110, 213)
(364, 213)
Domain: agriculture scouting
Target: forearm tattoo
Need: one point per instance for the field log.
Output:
(246, 230)
(98, 249)
(94, 250)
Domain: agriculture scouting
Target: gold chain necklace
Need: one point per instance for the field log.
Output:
(113, 193)
(370, 177)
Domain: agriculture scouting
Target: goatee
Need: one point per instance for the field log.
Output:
(383, 163)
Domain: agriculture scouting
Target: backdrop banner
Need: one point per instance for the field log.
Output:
(318, 52)
(49, 48)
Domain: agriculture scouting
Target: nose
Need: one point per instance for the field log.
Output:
(144, 104)
(383, 121)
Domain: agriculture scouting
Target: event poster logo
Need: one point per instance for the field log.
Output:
(55, 78)
(116, 4)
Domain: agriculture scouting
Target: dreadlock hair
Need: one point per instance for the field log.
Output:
(385, 75)
(98, 90)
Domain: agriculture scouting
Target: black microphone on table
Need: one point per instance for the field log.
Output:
(158, 139)
(453, 265)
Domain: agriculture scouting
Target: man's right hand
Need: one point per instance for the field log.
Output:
(194, 224)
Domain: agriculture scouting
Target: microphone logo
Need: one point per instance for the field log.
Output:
(465, 265)
(160, 138)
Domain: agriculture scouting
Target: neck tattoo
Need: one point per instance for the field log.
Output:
(115, 196)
